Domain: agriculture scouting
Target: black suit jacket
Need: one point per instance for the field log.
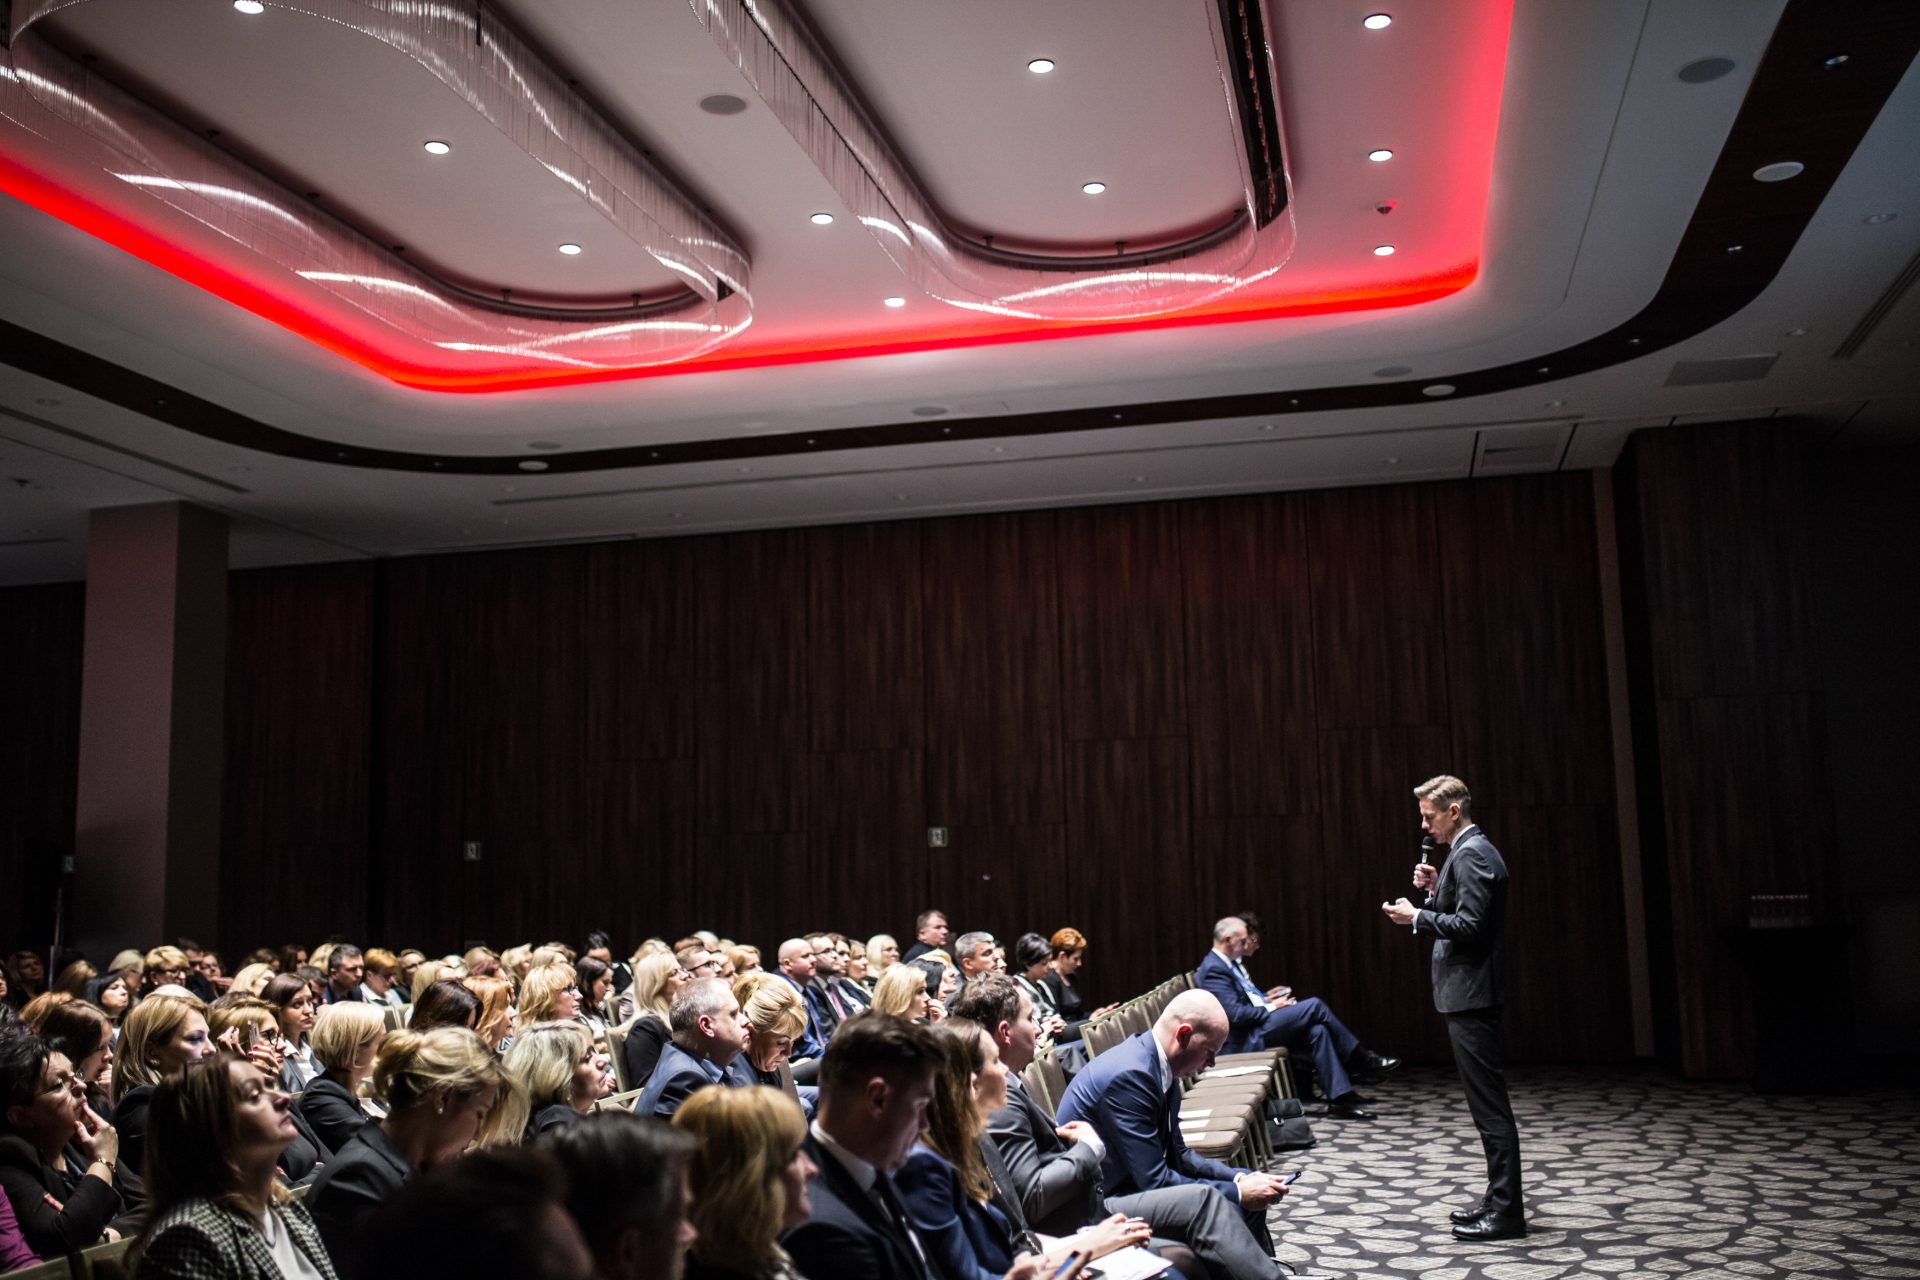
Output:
(1058, 1182)
(87, 1205)
(847, 1236)
(129, 1120)
(647, 1038)
(361, 1177)
(331, 1112)
(1467, 916)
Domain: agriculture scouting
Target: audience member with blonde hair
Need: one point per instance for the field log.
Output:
(346, 1037)
(549, 993)
(218, 1132)
(775, 1019)
(560, 1072)
(494, 1023)
(445, 1092)
(249, 1027)
(380, 978)
(164, 966)
(748, 1177)
(251, 980)
(902, 992)
(160, 1037)
(657, 978)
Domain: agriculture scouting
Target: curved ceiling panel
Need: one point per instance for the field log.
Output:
(429, 332)
(798, 78)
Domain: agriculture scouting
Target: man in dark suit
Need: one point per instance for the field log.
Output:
(929, 933)
(1131, 1096)
(875, 1083)
(1054, 1171)
(709, 1034)
(1267, 1020)
(1466, 914)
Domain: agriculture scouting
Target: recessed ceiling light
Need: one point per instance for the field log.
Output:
(1879, 219)
(1836, 61)
(895, 301)
(1438, 389)
(532, 464)
(1040, 66)
(1093, 188)
(436, 147)
(249, 6)
(1379, 155)
(1701, 70)
(1779, 171)
(821, 219)
(722, 104)
(571, 250)
(1378, 21)
(1383, 251)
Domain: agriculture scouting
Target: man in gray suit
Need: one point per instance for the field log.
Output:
(1466, 913)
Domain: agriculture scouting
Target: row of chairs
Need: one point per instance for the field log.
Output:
(1225, 1110)
(101, 1262)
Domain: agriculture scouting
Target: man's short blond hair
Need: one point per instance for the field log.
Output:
(1445, 790)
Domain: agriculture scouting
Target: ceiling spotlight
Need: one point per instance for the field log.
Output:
(1779, 172)
(723, 104)
(895, 301)
(1837, 61)
(436, 147)
(1093, 188)
(1378, 21)
(1040, 66)
(1701, 70)
(571, 250)
(1879, 219)
(1383, 251)
(249, 6)
(1381, 155)
(821, 219)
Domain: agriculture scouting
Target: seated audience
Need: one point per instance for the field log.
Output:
(73, 979)
(216, 1134)
(446, 1002)
(943, 980)
(902, 992)
(111, 995)
(882, 954)
(26, 978)
(161, 1037)
(549, 993)
(1131, 1096)
(248, 1027)
(709, 1032)
(748, 1178)
(627, 1192)
(595, 980)
(744, 959)
(165, 966)
(795, 960)
(1069, 953)
(775, 1015)
(441, 1089)
(929, 933)
(382, 982)
(495, 1215)
(57, 1156)
(945, 1183)
(858, 970)
(251, 980)
(559, 1072)
(14, 1253)
(479, 962)
(975, 952)
(296, 1009)
(346, 1039)
(1032, 960)
(657, 979)
(832, 998)
(81, 1032)
(494, 1023)
(1276, 1019)
(409, 964)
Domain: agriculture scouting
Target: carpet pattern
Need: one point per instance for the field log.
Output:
(1628, 1173)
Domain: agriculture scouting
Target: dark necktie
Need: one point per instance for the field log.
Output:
(890, 1205)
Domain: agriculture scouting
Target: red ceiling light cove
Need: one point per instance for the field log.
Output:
(1437, 232)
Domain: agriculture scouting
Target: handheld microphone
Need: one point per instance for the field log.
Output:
(1427, 846)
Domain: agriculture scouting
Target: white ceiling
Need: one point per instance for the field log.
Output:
(1602, 153)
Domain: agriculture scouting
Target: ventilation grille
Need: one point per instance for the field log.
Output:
(1695, 373)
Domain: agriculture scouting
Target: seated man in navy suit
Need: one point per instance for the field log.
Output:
(876, 1080)
(1131, 1096)
(1273, 1019)
(709, 1034)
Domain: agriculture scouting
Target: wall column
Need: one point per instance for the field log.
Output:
(153, 679)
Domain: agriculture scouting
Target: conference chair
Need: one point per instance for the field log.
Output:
(617, 1054)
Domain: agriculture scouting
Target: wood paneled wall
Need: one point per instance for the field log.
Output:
(1131, 719)
(40, 631)
(1730, 727)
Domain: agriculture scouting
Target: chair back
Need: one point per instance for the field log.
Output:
(58, 1269)
(1054, 1078)
(622, 1101)
(617, 1055)
(396, 1015)
(102, 1262)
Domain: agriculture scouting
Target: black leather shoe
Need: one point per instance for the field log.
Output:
(1463, 1216)
(1488, 1227)
(1369, 1067)
(1347, 1111)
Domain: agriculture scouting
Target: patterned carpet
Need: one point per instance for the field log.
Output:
(1628, 1174)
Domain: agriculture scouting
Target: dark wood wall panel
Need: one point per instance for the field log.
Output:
(1730, 727)
(40, 652)
(1130, 720)
(299, 707)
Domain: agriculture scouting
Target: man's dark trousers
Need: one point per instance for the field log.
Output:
(1476, 1053)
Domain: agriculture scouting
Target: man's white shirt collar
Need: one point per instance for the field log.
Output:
(1166, 1068)
(864, 1174)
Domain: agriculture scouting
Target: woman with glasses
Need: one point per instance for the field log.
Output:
(250, 1028)
(549, 993)
(57, 1157)
(292, 998)
(217, 1134)
(81, 1032)
(165, 967)
(346, 1037)
(559, 1071)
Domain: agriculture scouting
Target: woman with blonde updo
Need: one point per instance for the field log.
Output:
(749, 1182)
(559, 1071)
(445, 1092)
(775, 1019)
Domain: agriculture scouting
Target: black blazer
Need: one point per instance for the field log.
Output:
(847, 1236)
(87, 1204)
(130, 1122)
(1065, 998)
(1467, 915)
(304, 1157)
(555, 1115)
(647, 1038)
(1057, 1182)
(361, 1177)
(333, 1114)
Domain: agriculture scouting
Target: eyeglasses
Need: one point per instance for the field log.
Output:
(178, 971)
(62, 1083)
(570, 991)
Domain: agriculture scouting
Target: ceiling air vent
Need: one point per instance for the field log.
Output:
(1505, 451)
(1695, 373)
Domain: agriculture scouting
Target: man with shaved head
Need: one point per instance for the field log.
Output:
(795, 958)
(1131, 1096)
